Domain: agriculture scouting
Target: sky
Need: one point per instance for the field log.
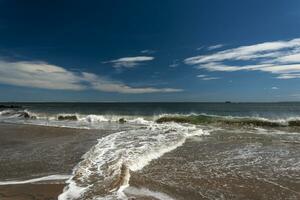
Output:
(150, 50)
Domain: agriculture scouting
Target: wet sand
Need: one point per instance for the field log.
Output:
(28, 151)
(227, 166)
(224, 165)
(31, 192)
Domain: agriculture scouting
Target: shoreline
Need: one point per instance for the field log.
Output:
(31, 155)
(231, 163)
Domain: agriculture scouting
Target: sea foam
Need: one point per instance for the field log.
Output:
(41, 179)
(104, 172)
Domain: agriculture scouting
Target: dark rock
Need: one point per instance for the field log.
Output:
(67, 117)
(122, 120)
(9, 106)
(294, 123)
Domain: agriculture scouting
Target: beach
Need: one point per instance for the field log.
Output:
(47, 154)
(31, 191)
(227, 165)
(30, 151)
(223, 165)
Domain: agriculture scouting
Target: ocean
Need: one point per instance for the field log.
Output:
(164, 150)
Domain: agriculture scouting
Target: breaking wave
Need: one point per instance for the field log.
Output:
(74, 119)
(230, 121)
(105, 170)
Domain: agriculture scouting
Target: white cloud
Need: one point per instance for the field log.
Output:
(174, 64)
(129, 62)
(213, 47)
(47, 76)
(274, 88)
(210, 78)
(292, 58)
(112, 86)
(279, 57)
(148, 51)
(199, 48)
(205, 77)
(288, 76)
(295, 95)
(39, 75)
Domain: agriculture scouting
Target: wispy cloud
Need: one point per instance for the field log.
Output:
(47, 76)
(113, 86)
(213, 47)
(129, 62)
(295, 95)
(288, 76)
(148, 51)
(205, 77)
(201, 75)
(279, 57)
(174, 64)
(274, 88)
(199, 48)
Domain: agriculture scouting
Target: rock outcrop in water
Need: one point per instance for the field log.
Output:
(26, 115)
(67, 117)
(294, 123)
(122, 120)
(9, 106)
(201, 119)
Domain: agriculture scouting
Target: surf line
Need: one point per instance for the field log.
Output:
(35, 180)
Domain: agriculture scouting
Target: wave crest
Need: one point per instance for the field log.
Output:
(229, 121)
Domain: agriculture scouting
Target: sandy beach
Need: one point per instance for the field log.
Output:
(226, 165)
(31, 192)
(140, 159)
(29, 151)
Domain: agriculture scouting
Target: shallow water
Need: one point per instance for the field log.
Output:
(227, 165)
(227, 151)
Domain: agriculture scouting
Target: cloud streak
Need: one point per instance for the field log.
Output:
(174, 64)
(279, 57)
(129, 62)
(213, 47)
(46, 76)
(148, 51)
(206, 77)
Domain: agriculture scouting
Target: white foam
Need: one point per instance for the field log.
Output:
(3, 112)
(140, 120)
(72, 191)
(134, 149)
(94, 118)
(46, 178)
(146, 192)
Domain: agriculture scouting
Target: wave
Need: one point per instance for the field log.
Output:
(75, 120)
(91, 118)
(230, 121)
(104, 172)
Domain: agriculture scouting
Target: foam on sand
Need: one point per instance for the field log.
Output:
(35, 180)
(146, 192)
(104, 172)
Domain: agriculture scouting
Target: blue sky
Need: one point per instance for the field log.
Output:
(150, 50)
